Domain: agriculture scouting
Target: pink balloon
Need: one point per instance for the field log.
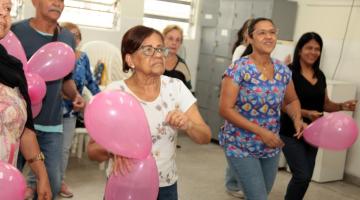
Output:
(36, 108)
(52, 61)
(14, 48)
(142, 183)
(116, 121)
(12, 182)
(335, 131)
(36, 87)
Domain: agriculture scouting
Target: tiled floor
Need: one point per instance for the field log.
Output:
(201, 169)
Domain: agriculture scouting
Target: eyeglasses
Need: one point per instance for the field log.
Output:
(172, 39)
(77, 35)
(150, 50)
(262, 33)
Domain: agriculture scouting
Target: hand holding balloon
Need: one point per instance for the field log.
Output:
(313, 114)
(300, 126)
(335, 131)
(141, 183)
(121, 164)
(348, 105)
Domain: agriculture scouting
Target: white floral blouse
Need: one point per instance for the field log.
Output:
(13, 117)
(173, 94)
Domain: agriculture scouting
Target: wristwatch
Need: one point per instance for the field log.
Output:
(39, 156)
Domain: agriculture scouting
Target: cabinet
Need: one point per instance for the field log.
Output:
(330, 165)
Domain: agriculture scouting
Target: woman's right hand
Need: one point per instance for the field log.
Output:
(271, 139)
(43, 189)
(121, 165)
(313, 115)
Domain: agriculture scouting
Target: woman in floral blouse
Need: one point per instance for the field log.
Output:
(169, 106)
(16, 124)
(253, 90)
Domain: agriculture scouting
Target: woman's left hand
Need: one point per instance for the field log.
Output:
(299, 128)
(43, 189)
(78, 103)
(349, 105)
(178, 119)
(122, 165)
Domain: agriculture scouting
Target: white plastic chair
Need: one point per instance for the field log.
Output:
(110, 55)
(182, 52)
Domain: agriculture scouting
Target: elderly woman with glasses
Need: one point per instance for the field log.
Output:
(253, 90)
(168, 104)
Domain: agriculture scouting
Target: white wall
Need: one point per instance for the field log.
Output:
(329, 18)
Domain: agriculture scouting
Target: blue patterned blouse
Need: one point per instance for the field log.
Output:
(259, 100)
(82, 77)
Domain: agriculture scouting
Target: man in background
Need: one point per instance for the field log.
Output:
(34, 33)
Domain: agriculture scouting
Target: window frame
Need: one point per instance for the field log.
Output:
(16, 10)
(189, 21)
(113, 9)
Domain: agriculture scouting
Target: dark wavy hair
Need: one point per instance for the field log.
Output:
(304, 39)
(133, 39)
(240, 35)
(251, 30)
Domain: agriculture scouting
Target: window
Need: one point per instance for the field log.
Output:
(160, 13)
(16, 8)
(94, 13)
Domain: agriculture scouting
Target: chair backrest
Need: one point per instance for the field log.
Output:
(107, 53)
(182, 52)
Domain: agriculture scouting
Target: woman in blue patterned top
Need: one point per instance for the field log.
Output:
(254, 88)
(83, 78)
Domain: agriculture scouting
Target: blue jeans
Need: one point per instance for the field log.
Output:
(168, 192)
(256, 175)
(51, 145)
(69, 131)
(300, 157)
(231, 183)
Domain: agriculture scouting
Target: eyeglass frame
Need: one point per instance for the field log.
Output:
(162, 50)
(266, 32)
(76, 34)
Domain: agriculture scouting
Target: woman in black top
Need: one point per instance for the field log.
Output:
(175, 66)
(310, 86)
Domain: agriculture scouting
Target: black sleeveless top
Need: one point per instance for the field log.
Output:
(312, 97)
